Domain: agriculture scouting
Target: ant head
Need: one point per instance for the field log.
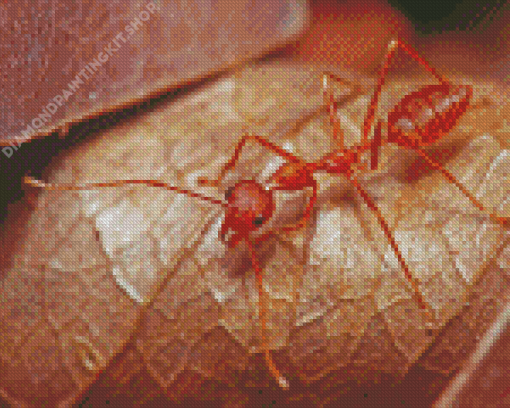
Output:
(250, 207)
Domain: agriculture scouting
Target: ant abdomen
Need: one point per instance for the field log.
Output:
(426, 115)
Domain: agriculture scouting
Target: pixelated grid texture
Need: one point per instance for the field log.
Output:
(159, 288)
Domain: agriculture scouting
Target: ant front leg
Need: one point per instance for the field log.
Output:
(237, 152)
(304, 218)
(307, 213)
(263, 322)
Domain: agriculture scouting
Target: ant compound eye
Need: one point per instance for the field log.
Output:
(229, 192)
(259, 220)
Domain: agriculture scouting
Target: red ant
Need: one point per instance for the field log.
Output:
(418, 120)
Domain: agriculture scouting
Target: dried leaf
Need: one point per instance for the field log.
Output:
(95, 268)
(182, 308)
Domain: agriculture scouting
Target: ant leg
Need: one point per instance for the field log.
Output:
(301, 223)
(338, 134)
(90, 186)
(414, 55)
(375, 146)
(235, 157)
(307, 213)
(262, 316)
(451, 178)
(370, 203)
(332, 104)
(367, 126)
